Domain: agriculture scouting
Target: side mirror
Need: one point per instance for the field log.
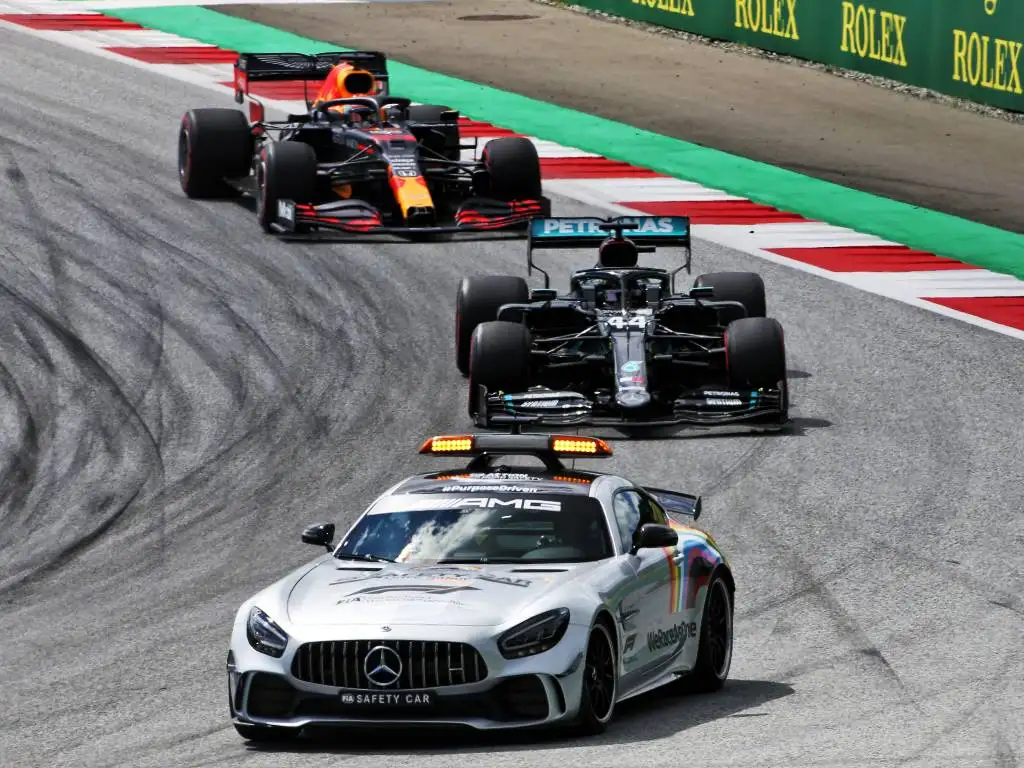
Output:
(543, 294)
(450, 116)
(652, 536)
(702, 291)
(321, 535)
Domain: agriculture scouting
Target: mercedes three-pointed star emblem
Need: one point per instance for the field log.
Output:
(382, 666)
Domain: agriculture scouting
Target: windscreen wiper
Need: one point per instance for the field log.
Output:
(371, 558)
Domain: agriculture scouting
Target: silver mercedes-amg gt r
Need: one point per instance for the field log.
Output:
(488, 596)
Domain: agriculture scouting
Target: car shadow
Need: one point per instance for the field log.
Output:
(656, 715)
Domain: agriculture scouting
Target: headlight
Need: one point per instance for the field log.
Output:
(537, 635)
(264, 635)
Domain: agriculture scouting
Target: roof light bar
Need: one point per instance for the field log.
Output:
(568, 446)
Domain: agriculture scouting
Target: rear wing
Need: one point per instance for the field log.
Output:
(265, 67)
(674, 501)
(589, 232)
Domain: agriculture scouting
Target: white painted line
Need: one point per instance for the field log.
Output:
(54, 6)
(988, 325)
(810, 234)
(131, 38)
(215, 72)
(550, 149)
(949, 283)
(605, 191)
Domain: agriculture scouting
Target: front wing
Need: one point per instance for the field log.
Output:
(475, 215)
(699, 408)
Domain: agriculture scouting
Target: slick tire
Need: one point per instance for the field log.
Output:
(513, 168)
(600, 683)
(745, 287)
(477, 301)
(499, 359)
(714, 653)
(431, 115)
(262, 734)
(755, 356)
(213, 145)
(286, 171)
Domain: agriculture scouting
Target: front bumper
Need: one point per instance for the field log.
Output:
(535, 691)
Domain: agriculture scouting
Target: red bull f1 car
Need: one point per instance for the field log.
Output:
(358, 160)
(622, 348)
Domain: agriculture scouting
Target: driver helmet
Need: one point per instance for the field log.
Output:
(356, 114)
(618, 252)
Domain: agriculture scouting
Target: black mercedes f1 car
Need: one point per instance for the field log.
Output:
(622, 348)
(359, 160)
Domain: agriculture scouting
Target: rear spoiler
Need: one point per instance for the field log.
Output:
(679, 503)
(589, 232)
(264, 67)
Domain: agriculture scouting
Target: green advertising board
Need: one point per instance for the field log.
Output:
(966, 48)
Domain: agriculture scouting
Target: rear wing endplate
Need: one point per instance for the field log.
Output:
(562, 232)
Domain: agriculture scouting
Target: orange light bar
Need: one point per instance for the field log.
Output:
(448, 444)
(579, 446)
(571, 479)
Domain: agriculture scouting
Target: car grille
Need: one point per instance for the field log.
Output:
(424, 664)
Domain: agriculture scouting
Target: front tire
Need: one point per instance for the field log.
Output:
(600, 683)
(499, 359)
(286, 171)
(755, 349)
(513, 167)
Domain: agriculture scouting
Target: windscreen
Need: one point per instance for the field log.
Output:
(484, 528)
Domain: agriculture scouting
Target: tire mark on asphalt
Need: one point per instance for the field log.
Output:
(817, 589)
(108, 509)
(965, 719)
(755, 455)
(58, 322)
(17, 476)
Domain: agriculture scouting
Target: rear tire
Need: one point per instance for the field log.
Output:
(213, 144)
(286, 171)
(600, 683)
(745, 287)
(499, 359)
(478, 301)
(431, 114)
(513, 167)
(714, 654)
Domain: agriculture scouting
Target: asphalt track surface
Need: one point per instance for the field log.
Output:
(182, 394)
(849, 132)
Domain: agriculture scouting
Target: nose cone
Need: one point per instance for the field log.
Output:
(633, 398)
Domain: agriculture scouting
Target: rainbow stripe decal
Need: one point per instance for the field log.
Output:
(688, 573)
